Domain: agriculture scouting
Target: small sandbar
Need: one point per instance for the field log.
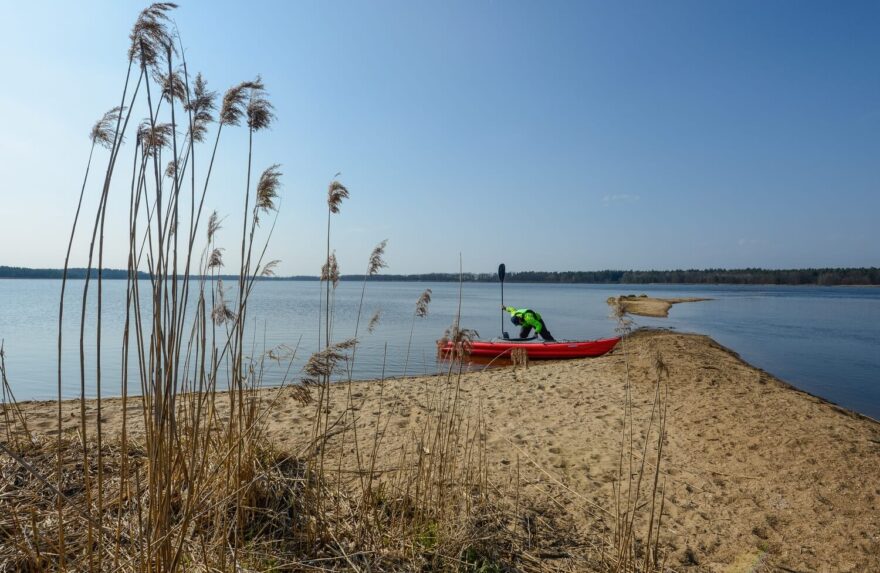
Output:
(644, 305)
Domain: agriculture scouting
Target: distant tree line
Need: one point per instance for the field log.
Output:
(822, 277)
(112, 274)
(77, 273)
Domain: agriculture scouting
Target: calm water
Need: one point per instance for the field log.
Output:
(823, 340)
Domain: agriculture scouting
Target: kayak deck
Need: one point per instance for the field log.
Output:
(539, 350)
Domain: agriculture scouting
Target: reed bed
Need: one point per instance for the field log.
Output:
(199, 487)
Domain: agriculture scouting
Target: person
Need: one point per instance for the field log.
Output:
(528, 319)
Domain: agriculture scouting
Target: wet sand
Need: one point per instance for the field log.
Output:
(758, 476)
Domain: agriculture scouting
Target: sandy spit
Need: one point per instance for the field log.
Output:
(759, 476)
(649, 306)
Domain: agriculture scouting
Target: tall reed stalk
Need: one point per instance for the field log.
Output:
(421, 311)
(375, 264)
(169, 342)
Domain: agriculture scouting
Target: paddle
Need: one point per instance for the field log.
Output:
(502, 270)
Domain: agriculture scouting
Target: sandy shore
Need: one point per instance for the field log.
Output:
(644, 305)
(759, 476)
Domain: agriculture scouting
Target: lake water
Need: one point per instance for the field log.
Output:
(823, 340)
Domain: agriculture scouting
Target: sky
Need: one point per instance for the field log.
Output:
(546, 135)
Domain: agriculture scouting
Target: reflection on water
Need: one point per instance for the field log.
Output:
(823, 340)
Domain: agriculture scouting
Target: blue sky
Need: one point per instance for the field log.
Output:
(550, 136)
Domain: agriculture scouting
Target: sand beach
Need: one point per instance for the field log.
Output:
(757, 475)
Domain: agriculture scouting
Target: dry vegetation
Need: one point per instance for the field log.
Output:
(202, 488)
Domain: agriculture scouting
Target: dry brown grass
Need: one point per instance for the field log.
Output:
(201, 489)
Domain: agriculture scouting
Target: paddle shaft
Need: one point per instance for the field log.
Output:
(501, 273)
(502, 310)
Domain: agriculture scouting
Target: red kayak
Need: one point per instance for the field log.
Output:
(540, 350)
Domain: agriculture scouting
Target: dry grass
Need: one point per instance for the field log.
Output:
(202, 489)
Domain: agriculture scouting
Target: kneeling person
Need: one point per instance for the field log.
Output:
(528, 319)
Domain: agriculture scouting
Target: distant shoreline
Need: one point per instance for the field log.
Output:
(852, 276)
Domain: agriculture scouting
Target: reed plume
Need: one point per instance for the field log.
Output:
(152, 138)
(336, 192)
(421, 311)
(215, 260)
(422, 304)
(374, 321)
(456, 342)
(235, 100)
(259, 110)
(172, 85)
(221, 312)
(377, 262)
(213, 225)
(267, 189)
(269, 268)
(330, 270)
(200, 104)
(658, 364)
(171, 169)
(323, 364)
(302, 394)
(624, 321)
(150, 37)
(103, 133)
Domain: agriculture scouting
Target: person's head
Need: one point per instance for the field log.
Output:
(517, 320)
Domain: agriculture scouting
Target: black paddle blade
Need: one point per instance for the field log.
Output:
(502, 270)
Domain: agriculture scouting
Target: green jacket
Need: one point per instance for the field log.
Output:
(528, 316)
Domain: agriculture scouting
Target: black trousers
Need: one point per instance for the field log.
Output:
(544, 334)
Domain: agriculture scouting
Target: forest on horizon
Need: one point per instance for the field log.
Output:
(863, 276)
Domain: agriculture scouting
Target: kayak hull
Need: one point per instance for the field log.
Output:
(540, 350)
